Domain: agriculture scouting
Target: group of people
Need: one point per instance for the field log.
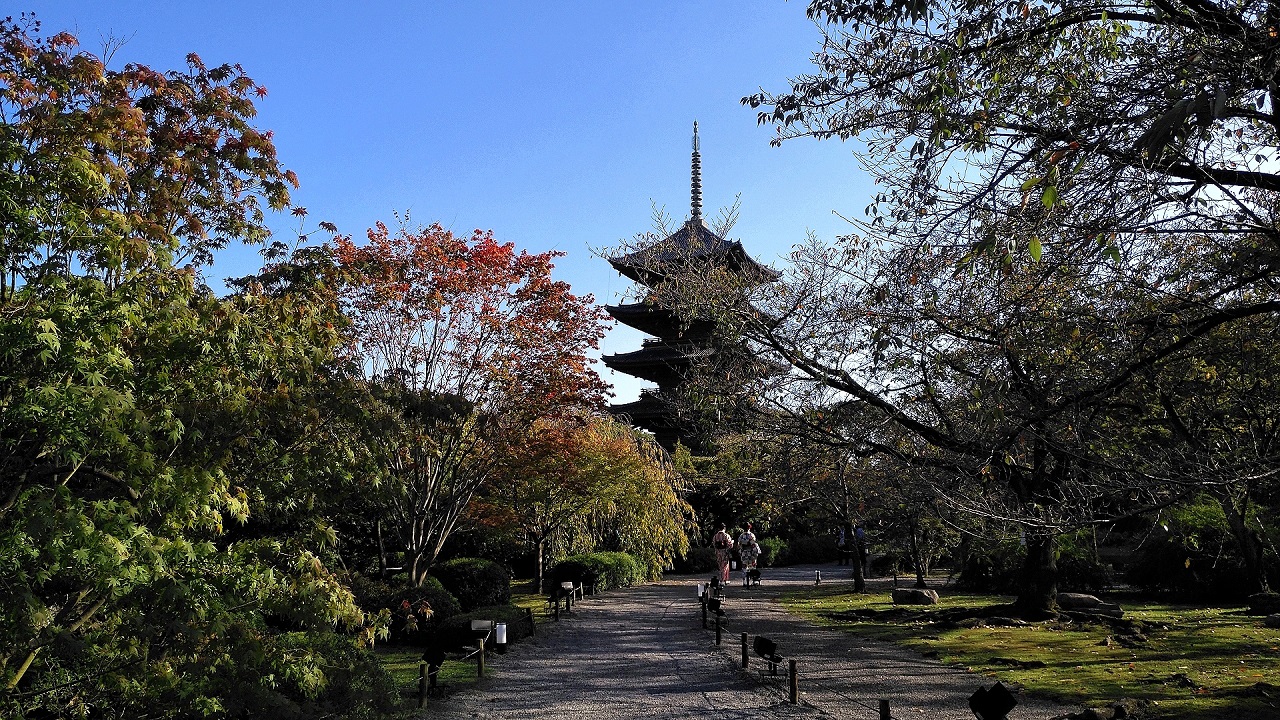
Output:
(748, 551)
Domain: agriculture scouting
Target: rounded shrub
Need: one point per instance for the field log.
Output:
(414, 610)
(810, 549)
(598, 571)
(476, 582)
(355, 685)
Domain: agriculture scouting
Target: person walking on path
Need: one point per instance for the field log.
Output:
(723, 545)
(748, 554)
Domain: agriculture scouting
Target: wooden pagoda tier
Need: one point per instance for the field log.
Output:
(659, 322)
(694, 245)
(657, 415)
(659, 362)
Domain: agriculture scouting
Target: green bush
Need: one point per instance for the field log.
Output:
(355, 685)
(697, 560)
(455, 632)
(598, 571)
(773, 552)
(475, 582)
(409, 620)
(888, 563)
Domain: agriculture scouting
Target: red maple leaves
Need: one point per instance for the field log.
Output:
(473, 317)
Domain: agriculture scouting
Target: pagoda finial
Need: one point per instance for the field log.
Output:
(697, 177)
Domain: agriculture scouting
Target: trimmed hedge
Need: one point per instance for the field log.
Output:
(598, 571)
(475, 582)
(697, 560)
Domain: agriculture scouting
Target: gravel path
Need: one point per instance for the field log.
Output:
(642, 653)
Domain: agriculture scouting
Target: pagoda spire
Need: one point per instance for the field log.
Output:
(696, 214)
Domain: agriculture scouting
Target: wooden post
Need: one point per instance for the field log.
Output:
(480, 660)
(744, 651)
(533, 628)
(717, 628)
(793, 681)
(704, 612)
(884, 710)
(422, 685)
(555, 606)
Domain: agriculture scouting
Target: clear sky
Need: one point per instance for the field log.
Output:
(553, 124)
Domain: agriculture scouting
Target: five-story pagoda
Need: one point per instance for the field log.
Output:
(679, 342)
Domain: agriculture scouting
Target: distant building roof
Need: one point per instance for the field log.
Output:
(693, 244)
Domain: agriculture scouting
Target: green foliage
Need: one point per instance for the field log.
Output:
(809, 549)
(696, 560)
(1192, 554)
(599, 571)
(773, 552)
(403, 602)
(166, 452)
(352, 682)
(799, 550)
(1079, 569)
(475, 582)
(992, 566)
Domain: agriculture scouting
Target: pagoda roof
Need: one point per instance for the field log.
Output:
(658, 361)
(654, 414)
(657, 321)
(693, 244)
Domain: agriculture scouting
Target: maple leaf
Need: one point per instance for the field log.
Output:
(260, 91)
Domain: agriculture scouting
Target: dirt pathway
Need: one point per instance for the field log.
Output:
(642, 653)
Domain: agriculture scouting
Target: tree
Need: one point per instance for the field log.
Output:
(1116, 117)
(985, 307)
(582, 483)
(465, 341)
(144, 421)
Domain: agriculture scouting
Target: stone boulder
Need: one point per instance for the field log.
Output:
(1077, 601)
(914, 596)
(1267, 603)
(1272, 621)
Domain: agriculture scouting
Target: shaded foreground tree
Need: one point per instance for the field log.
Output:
(145, 425)
(466, 343)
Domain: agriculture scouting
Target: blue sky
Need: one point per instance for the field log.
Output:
(553, 124)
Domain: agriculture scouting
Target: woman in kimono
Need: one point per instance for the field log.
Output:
(723, 545)
(748, 553)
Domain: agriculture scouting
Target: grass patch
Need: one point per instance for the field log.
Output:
(402, 663)
(1181, 661)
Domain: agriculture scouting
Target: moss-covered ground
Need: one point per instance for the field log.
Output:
(1182, 661)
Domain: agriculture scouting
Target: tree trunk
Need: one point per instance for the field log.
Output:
(1250, 543)
(541, 547)
(1038, 598)
(917, 556)
(858, 560)
(382, 552)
